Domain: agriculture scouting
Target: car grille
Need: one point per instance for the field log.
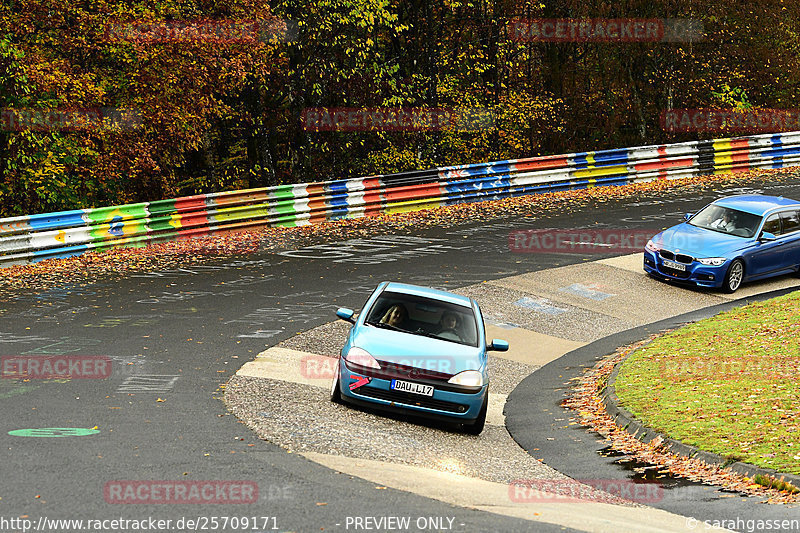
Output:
(680, 258)
(410, 399)
(403, 371)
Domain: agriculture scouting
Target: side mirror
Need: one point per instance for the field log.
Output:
(687, 216)
(767, 237)
(498, 345)
(346, 314)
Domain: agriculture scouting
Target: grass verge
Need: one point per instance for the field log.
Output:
(727, 384)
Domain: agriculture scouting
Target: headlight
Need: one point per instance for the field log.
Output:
(712, 261)
(651, 246)
(468, 378)
(361, 357)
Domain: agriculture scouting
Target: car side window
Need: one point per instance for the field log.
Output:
(773, 224)
(790, 220)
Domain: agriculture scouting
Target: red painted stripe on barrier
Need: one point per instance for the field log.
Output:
(541, 163)
(413, 192)
(372, 196)
(190, 203)
(190, 223)
(664, 164)
(316, 202)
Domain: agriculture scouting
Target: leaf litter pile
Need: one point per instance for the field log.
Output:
(587, 402)
(93, 266)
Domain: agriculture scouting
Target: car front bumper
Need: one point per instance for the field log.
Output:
(463, 407)
(695, 274)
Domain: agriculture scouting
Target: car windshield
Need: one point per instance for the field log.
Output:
(424, 316)
(726, 220)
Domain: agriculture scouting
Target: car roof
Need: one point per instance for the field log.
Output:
(427, 292)
(756, 204)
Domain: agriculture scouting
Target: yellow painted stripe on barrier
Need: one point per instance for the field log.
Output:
(590, 159)
(410, 206)
(722, 144)
(720, 159)
(591, 183)
(600, 171)
(233, 214)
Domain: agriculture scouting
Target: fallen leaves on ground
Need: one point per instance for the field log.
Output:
(586, 401)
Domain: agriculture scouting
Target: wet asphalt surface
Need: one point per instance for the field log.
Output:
(175, 337)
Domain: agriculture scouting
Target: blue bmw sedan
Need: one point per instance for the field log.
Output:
(420, 351)
(730, 241)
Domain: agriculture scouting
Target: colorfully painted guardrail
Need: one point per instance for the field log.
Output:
(34, 238)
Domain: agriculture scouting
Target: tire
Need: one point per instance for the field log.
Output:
(477, 427)
(336, 393)
(733, 279)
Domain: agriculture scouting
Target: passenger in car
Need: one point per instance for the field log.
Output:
(397, 316)
(449, 327)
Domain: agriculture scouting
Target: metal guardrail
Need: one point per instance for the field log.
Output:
(34, 238)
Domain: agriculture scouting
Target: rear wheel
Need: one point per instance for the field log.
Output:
(336, 393)
(733, 279)
(476, 427)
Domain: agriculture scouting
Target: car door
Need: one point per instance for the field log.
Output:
(790, 223)
(767, 256)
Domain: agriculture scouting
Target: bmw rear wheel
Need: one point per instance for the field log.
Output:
(733, 279)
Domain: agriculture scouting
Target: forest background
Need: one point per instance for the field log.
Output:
(204, 115)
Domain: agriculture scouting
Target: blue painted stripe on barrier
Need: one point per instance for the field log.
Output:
(338, 201)
(580, 160)
(780, 152)
(499, 168)
(606, 158)
(62, 219)
(339, 186)
(610, 157)
(66, 251)
(338, 213)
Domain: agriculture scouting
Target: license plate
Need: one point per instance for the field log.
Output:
(413, 388)
(674, 265)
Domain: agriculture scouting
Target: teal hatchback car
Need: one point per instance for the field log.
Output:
(420, 351)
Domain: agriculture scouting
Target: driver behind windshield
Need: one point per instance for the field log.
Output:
(448, 327)
(724, 223)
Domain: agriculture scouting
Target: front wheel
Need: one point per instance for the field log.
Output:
(733, 279)
(336, 393)
(477, 427)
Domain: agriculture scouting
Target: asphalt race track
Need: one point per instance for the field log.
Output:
(176, 337)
